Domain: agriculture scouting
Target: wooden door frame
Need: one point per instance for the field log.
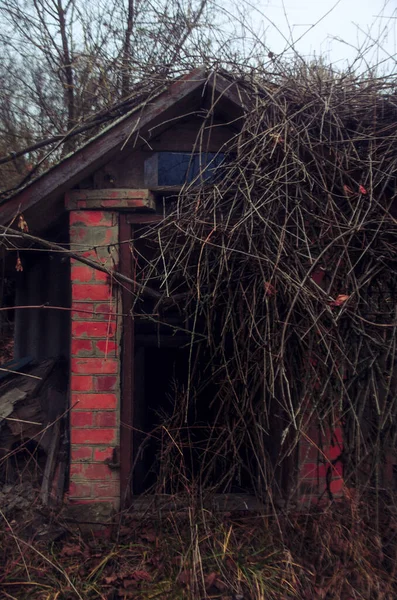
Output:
(126, 221)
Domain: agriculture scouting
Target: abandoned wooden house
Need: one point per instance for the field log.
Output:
(77, 298)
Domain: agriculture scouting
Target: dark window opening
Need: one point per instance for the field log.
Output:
(175, 169)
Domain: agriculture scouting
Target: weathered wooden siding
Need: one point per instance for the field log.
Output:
(127, 171)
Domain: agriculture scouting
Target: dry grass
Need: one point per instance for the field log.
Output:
(331, 552)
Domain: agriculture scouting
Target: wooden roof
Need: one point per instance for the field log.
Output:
(42, 198)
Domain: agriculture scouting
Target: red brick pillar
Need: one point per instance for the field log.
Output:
(320, 469)
(320, 466)
(95, 360)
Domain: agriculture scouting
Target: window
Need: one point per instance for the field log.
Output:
(173, 169)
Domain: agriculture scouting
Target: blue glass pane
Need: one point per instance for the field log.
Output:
(177, 168)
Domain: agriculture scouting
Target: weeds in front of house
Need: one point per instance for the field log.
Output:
(328, 552)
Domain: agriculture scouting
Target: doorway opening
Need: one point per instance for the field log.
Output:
(179, 426)
(195, 424)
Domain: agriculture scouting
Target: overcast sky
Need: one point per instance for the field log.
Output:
(353, 21)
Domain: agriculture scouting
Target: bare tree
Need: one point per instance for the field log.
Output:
(65, 60)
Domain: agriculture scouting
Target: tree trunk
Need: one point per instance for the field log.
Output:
(126, 72)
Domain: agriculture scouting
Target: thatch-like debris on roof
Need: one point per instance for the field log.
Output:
(287, 267)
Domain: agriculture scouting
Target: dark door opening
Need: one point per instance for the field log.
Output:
(177, 427)
(159, 373)
(183, 432)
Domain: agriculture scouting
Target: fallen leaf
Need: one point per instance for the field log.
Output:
(71, 550)
(362, 190)
(129, 582)
(341, 299)
(220, 585)
(141, 576)
(348, 190)
(210, 580)
(270, 290)
(149, 536)
(185, 577)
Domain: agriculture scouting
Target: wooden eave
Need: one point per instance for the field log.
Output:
(45, 194)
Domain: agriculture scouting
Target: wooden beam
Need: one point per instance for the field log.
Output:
(144, 219)
(111, 199)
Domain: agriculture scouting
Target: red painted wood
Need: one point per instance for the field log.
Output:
(127, 369)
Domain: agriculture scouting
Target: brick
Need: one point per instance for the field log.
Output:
(125, 203)
(336, 486)
(309, 470)
(94, 401)
(333, 452)
(80, 490)
(308, 452)
(106, 383)
(322, 470)
(91, 291)
(106, 347)
(101, 276)
(107, 310)
(82, 310)
(81, 418)
(93, 329)
(76, 470)
(102, 454)
(95, 366)
(105, 419)
(100, 257)
(82, 273)
(91, 472)
(97, 471)
(94, 218)
(82, 383)
(82, 347)
(338, 435)
(93, 236)
(308, 486)
(93, 436)
(110, 489)
(337, 470)
(82, 453)
(312, 434)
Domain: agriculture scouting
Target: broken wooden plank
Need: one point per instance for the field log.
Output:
(21, 387)
(51, 463)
